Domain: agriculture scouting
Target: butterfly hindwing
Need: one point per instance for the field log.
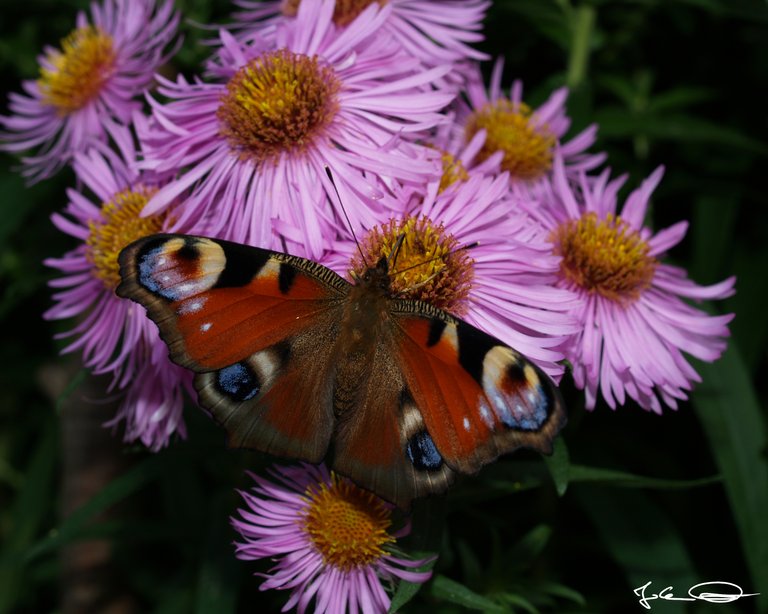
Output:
(257, 326)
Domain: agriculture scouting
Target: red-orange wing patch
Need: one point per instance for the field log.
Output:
(217, 303)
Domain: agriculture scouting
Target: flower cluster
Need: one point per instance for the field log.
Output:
(503, 216)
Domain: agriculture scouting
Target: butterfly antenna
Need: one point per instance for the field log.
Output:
(346, 217)
(395, 251)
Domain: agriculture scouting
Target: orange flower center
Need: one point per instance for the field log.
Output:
(119, 226)
(344, 13)
(429, 265)
(347, 525)
(279, 102)
(79, 71)
(604, 256)
(527, 147)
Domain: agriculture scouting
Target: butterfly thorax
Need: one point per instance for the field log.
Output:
(364, 323)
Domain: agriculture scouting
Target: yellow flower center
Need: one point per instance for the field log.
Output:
(344, 13)
(429, 265)
(604, 256)
(527, 147)
(347, 525)
(119, 226)
(453, 171)
(279, 102)
(79, 72)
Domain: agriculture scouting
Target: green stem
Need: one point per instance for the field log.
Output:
(583, 23)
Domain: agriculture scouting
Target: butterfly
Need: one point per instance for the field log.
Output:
(293, 360)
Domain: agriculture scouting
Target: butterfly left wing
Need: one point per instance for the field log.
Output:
(257, 327)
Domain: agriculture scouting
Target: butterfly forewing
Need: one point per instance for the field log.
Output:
(258, 328)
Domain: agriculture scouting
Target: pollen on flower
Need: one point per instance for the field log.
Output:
(344, 13)
(429, 265)
(528, 147)
(347, 525)
(79, 71)
(604, 256)
(453, 171)
(120, 225)
(279, 102)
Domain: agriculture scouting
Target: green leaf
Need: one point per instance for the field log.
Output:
(641, 540)
(30, 509)
(220, 572)
(617, 123)
(727, 407)
(559, 466)
(407, 590)
(117, 490)
(453, 592)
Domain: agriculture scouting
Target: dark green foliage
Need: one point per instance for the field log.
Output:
(628, 497)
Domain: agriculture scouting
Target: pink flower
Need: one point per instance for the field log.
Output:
(254, 151)
(114, 335)
(92, 83)
(528, 138)
(635, 323)
(469, 250)
(432, 31)
(330, 541)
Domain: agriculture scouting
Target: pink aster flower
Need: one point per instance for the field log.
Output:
(528, 138)
(503, 283)
(331, 541)
(92, 82)
(434, 31)
(635, 323)
(254, 151)
(114, 335)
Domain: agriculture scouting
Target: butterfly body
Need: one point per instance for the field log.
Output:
(293, 360)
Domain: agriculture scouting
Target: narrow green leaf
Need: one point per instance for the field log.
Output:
(453, 592)
(614, 477)
(727, 407)
(559, 466)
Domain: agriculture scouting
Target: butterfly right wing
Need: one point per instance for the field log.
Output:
(258, 328)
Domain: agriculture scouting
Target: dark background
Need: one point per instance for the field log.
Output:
(673, 82)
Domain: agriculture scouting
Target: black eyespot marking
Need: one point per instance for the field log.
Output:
(238, 382)
(285, 278)
(242, 264)
(422, 453)
(188, 251)
(436, 328)
(473, 346)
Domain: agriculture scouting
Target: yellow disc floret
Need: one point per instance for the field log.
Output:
(279, 102)
(78, 72)
(428, 265)
(528, 146)
(605, 256)
(119, 226)
(347, 525)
